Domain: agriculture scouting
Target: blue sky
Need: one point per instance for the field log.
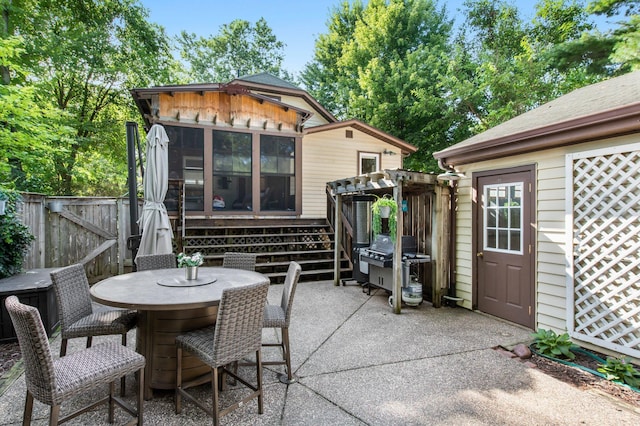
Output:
(297, 23)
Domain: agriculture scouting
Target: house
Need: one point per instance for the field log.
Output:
(249, 162)
(547, 230)
(260, 147)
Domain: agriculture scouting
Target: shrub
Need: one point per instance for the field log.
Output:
(549, 343)
(621, 370)
(15, 237)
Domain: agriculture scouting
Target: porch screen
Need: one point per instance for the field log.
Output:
(186, 161)
(277, 173)
(231, 171)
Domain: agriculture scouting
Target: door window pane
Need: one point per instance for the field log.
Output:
(503, 217)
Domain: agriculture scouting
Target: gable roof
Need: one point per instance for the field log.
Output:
(268, 79)
(266, 82)
(405, 147)
(606, 109)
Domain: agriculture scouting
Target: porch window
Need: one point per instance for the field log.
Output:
(503, 219)
(231, 171)
(368, 162)
(277, 173)
(186, 161)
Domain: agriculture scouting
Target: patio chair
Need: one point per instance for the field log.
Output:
(53, 382)
(77, 315)
(155, 261)
(279, 316)
(246, 261)
(236, 334)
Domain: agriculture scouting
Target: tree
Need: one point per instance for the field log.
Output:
(239, 49)
(503, 66)
(81, 56)
(626, 39)
(28, 132)
(386, 61)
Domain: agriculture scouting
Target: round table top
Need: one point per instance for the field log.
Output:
(142, 290)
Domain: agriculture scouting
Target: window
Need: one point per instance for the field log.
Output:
(368, 162)
(503, 217)
(231, 171)
(186, 161)
(277, 173)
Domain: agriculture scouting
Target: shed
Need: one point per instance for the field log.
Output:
(547, 230)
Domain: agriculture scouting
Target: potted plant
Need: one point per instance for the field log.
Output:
(384, 207)
(191, 263)
(15, 237)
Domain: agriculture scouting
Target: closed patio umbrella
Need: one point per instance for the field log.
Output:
(154, 220)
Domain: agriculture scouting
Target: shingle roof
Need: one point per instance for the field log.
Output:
(580, 107)
(266, 78)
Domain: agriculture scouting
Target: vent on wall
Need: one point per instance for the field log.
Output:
(348, 134)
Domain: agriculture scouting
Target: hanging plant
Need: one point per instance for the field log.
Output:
(378, 209)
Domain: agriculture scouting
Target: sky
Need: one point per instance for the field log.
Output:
(296, 23)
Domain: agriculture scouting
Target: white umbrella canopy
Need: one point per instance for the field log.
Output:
(154, 220)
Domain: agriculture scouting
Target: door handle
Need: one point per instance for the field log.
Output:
(479, 254)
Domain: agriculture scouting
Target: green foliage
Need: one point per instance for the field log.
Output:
(549, 343)
(15, 237)
(238, 49)
(376, 225)
(382, 63)
(621, 370)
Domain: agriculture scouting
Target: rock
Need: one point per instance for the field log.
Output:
(522, 351)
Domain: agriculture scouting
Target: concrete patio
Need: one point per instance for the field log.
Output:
(360, 364)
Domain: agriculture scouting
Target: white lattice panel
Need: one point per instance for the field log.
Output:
(606, 242)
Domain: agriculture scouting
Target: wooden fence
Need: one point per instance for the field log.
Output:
(88, 230)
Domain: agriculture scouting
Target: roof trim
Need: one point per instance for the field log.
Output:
(405, 147)
(603, 124)
(230, 88)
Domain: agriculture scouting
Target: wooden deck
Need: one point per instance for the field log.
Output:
(275, 242)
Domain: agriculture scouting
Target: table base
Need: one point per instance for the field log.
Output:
(156, 335)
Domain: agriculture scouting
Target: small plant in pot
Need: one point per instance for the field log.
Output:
(15, 237)
(385, 207)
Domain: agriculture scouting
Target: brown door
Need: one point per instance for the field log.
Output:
(504, 216)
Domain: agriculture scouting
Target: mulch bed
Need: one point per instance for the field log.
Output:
(585, 380)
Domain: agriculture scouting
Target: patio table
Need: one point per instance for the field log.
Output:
(168, 305)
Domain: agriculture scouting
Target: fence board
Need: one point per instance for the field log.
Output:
(89, 230)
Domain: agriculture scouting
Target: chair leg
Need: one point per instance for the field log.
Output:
(287, 353)
(259, 381)
(28, 409)
(215, 409)
(89, 341)
(140, 395)
(123, 382)
(63, 348)
(112, 404)
(54, 414)
(179, 380)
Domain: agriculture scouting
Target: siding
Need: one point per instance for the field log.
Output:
(551, 250)
(329, 156)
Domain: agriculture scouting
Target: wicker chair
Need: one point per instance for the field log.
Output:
(155, 261)
(246, 261)
(236, 334)
(279, 316)
(77, 315)
(53, 382)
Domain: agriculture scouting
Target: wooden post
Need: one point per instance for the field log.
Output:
(441, 239)
(397, 258)
(338, 240)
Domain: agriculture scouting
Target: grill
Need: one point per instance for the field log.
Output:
(379, 258)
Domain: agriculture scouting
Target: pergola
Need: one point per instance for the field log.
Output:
(416, 189)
